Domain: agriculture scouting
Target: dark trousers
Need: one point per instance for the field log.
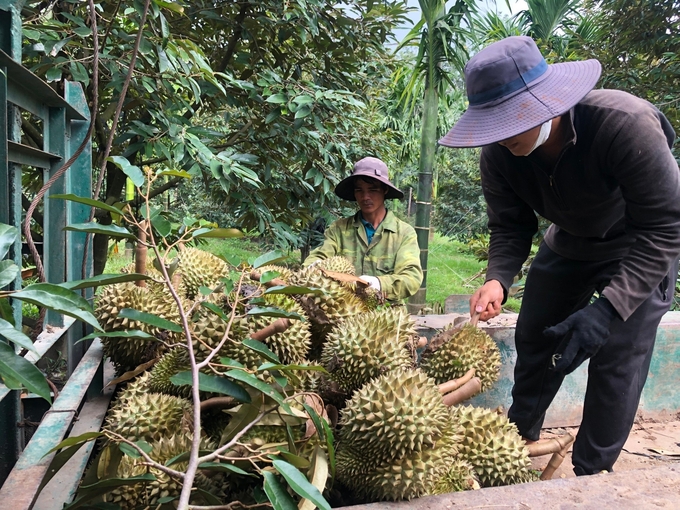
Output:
(555, 288)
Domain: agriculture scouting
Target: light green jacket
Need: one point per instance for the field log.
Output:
(393, 255)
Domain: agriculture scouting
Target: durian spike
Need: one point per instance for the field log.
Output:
(278, 326)
(254, 275)
(217, 403)
(553, 445)
(454, 384)
(466, 391)
(555, 462)
(140, 253)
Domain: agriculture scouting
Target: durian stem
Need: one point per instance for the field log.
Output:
(554, 445)
(454, 384)
(217, 403)
(140, 253)
(555, 462)
(254, 275)
(466, 391)
(422, 342)
(278, 326)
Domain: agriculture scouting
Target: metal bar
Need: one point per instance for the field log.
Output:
(21, 487)
(21, 81)
(54, 220)
(26, 155)
(78, 182)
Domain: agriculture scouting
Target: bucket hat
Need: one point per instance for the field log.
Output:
(511, 89)
(367, 167)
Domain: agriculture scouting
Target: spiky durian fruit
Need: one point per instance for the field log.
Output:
(128, 353)
(410, 476)
(467, 348)
(172, 363)
(364, 346)
(199, 268)
(492, 445)
(397, 413)
(147, 495)
(284, 273)
(338, 264)
(149, 416)
(461, 476)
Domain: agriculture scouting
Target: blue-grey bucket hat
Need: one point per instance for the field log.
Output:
(511, 89)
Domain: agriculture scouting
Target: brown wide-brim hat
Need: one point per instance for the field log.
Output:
(367, 167)
(511, 89)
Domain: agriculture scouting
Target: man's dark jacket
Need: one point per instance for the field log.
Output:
(613, 193)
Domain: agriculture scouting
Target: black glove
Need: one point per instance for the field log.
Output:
(583, 333)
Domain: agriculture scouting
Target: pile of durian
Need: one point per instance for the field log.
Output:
(383, 397)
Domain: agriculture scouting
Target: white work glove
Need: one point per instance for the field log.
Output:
(373, 282)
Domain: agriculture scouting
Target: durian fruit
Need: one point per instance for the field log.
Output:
(461, 476)
(199, 269)
(365, 345)
(170, 364)
(128, 353)
(397, 413)
(284, 273)
(149, 416)
(410, 476)
(470, 347)
(147, 495)
(338, 264)
(492, 445)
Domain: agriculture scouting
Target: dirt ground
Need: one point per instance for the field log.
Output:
(651, 443)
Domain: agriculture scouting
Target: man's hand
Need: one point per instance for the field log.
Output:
(583, 332)
(373, 282)
(487, 300)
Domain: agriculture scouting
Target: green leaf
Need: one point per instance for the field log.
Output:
(268, 276)
(77, 440)
(294, 460)
(149, 318)
(162, 225)
(303, 112)
(299, 483)
(60, 300)
(273, 312)
(8, 272)
(316, 420)
(69, 448)
(261, 349)
(132, 171)
(18, 369)
(271, 257)
(131, 333)
(217, 233)
(88, 201)
(277, 99)
(132, 452)
(104, 279)
(8, 237)
(14, 335)
(219, 466)
(246, 414)
(97, 228)
(212, 384)
(216, 310)
(176, 173)
(183, 457)
(261, 386)
(6, 311)
(276, 492)
(293, 289)
(89, 492)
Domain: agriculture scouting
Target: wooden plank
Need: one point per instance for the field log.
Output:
(62, 488)
(21, 487)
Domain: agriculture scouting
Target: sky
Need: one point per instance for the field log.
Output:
(487, 5)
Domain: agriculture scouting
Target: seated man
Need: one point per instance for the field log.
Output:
(383, 248)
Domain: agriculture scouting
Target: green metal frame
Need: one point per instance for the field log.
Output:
(65, 121)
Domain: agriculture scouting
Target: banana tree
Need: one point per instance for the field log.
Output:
(441, 51)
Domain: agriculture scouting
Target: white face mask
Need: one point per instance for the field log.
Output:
(543, 135)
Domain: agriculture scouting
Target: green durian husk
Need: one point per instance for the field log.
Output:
(128, 353)
(413, 475)
(170, 364)
(395, 414)
(366, 345)
(461, 476)
(338, 264)
(493, 446)
(468, 348)
(133, 497)
(199, 269)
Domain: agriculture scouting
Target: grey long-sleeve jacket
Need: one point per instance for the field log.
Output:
(614, 193)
